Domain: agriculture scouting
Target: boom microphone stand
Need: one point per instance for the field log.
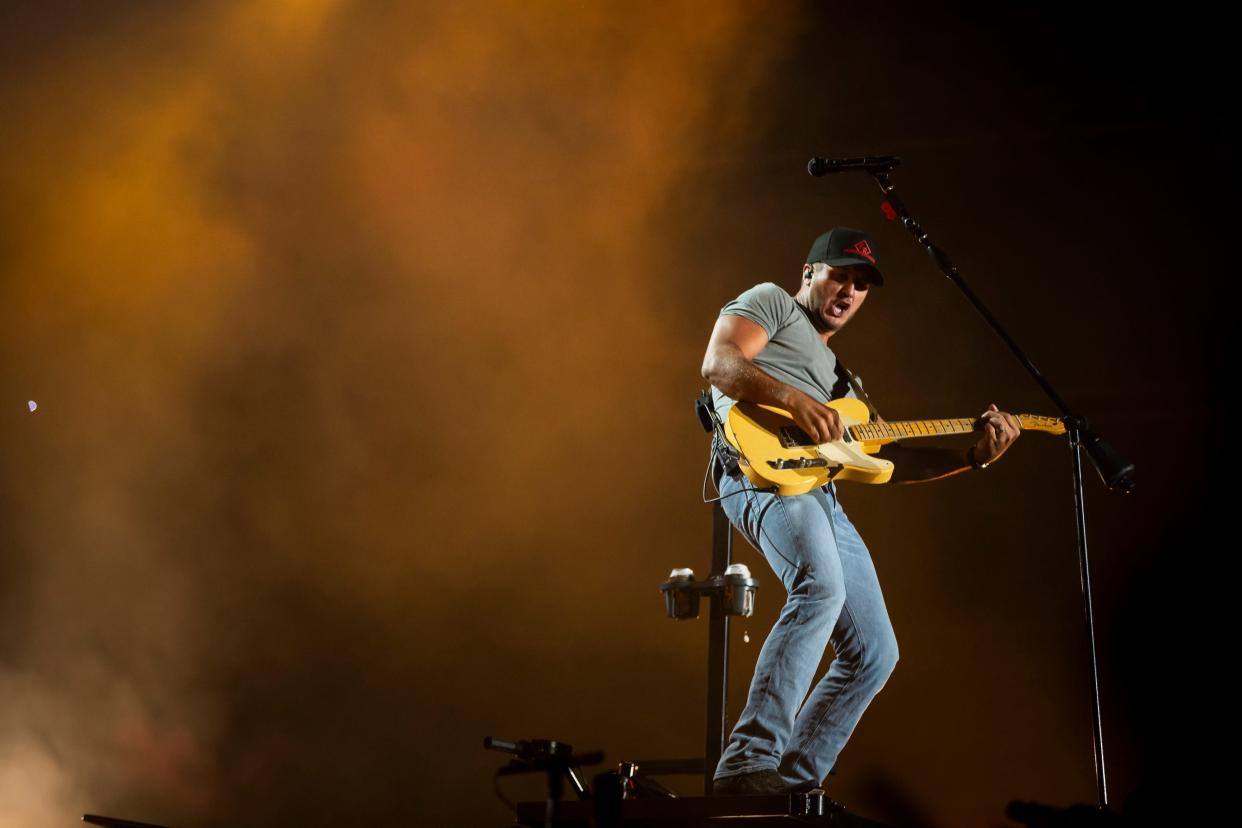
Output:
(1116, 472)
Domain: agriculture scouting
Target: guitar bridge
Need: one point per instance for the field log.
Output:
(800, 463)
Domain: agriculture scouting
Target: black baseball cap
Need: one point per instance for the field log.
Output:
(843, 246)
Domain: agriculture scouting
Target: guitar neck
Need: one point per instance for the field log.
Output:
(905, 429)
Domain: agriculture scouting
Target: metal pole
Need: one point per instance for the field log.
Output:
(717, 654)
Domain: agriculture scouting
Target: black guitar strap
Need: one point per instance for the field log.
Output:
(841, 386)
(846, 377)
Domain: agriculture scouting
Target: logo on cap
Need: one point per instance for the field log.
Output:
(863, 249)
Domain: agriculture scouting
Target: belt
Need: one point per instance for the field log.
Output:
(726, 458)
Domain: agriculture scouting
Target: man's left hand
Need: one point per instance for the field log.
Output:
(1000, 429)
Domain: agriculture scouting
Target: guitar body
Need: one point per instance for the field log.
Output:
(776, 452)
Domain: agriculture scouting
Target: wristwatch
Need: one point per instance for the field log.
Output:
(974, 463)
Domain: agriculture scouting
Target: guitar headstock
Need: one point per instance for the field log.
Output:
(1037, 422)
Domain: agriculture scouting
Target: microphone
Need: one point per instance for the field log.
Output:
(872, 163)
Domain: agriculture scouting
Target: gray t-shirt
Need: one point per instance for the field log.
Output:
(794, 354)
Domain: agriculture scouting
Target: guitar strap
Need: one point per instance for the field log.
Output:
(846, 377)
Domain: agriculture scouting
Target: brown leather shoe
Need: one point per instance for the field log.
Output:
(766, 782)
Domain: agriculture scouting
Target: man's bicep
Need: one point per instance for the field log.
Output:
(747, 336)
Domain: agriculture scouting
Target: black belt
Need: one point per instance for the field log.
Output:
(726, 459)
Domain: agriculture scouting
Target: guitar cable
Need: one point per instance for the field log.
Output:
(717, 434)
(707, 473)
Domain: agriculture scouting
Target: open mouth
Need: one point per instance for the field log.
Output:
(839, 309)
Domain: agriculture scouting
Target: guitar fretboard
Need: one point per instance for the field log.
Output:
(955, 425)
(912, 428)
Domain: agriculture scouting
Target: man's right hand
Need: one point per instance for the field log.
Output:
(820, 422)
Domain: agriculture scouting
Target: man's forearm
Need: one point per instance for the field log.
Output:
(741, 379)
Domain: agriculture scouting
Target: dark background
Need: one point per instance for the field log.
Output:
(364, 337)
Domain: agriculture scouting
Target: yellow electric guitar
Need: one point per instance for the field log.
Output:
(776, 452)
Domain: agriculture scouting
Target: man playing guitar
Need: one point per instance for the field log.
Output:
(772, 348)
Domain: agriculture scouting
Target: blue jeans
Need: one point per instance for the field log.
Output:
(833, 595)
